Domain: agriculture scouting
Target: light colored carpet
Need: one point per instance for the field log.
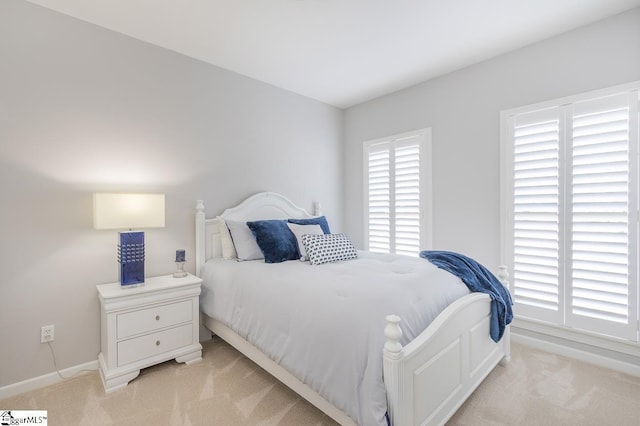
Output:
(535, 388)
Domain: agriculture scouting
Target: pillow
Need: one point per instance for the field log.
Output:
(226, 243)
(320, 220)
(275, 240)
(244, 241)
(299, 231)
(328, 248)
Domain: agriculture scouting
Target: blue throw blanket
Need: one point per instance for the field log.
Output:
(477, 278)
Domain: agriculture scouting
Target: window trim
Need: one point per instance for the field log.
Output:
(426, 184)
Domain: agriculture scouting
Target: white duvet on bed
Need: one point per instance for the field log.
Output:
(325, 323)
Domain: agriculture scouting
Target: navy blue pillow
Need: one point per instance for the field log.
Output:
(320, 220)
(275, 239)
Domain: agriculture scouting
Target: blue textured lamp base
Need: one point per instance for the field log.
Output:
(131, 259)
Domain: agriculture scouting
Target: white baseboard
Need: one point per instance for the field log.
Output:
(581, 355)
(45, 380)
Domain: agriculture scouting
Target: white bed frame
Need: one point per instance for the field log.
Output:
(427, 380)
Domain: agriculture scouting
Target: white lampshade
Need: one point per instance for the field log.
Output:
(128, 211)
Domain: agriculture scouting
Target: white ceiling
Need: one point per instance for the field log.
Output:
(342, 52)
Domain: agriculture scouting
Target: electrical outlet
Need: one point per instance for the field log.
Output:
(47, 333)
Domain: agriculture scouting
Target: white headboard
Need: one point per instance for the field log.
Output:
(261, 206)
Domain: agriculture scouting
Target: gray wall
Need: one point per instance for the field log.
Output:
(463, 110)
(83, 109)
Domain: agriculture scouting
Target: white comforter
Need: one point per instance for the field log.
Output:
(325, 323)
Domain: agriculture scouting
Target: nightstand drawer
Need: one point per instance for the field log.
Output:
(153, 344)
(154, 318)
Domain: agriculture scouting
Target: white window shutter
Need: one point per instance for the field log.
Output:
(572, 233)
(395, 194)
(379, 198)
(536, 211)
(407, 197)
(601, 270)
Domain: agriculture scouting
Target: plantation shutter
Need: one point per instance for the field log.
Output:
(602, 209)
(393, 195)
(573, 214)
(379, 198)
(536, 212)
(407, 196)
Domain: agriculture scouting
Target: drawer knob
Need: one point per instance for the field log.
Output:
(157, 342)
(157, 317)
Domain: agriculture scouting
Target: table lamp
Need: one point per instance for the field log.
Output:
(122, 211)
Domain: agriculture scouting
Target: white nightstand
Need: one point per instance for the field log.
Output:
(147, 325)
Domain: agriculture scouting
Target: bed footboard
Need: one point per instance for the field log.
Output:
(430, 378)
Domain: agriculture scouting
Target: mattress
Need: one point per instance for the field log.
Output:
(325, 323)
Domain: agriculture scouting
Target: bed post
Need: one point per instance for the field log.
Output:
(200, 237)
(392, 366)
(503, 276)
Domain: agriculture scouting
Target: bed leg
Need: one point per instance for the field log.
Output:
(506, 346)
(200, 239)
(503, 276)
(393, 356)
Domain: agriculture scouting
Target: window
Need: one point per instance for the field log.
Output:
(570, 192)
(398, 193)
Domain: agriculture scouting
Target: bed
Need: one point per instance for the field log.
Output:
(425, 379)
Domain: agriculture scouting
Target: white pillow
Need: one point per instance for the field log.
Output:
(226, 243)
(244, 241)
(299, 231)
(327, 248)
